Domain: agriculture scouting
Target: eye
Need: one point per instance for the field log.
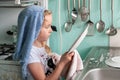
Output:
(48, 26)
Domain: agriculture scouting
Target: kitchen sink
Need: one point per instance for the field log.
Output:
(95, 67)
(102, 74)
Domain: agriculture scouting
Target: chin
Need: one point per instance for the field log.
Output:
(45, 39)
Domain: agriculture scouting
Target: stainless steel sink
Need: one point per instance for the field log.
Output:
(102, 74)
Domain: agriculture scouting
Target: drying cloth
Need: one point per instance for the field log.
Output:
(76, 65)
(29, 23)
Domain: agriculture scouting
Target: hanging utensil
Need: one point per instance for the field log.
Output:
(111, 31)
(68, 24)
(89, 22)
(84, 12)
(74, 13)
(100, 25)
(79, 7)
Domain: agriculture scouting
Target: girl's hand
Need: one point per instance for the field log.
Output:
(67, 57)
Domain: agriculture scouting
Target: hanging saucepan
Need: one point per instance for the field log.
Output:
(111, 31)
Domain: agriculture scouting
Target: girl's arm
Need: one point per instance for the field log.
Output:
(38, 73)
(36, 69)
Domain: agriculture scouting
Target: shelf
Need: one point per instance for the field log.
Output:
(11, 4)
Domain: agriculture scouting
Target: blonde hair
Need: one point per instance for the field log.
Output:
(47, 12)
(47, 48)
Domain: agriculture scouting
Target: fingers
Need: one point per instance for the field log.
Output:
(67, 57)
(71, 53)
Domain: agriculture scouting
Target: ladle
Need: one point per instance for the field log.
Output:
(111, 31)
(84, 12)
(68, 24)
(89, 22)
(74, 13)
(100, 25)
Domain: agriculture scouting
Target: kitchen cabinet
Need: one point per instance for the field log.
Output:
(10, 70)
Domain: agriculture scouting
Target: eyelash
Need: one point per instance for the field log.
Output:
(47, 27)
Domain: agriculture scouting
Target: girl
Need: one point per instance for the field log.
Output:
(34, 28)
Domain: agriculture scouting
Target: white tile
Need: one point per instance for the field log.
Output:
(115, 40)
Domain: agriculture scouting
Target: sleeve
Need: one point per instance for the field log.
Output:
(34, 57)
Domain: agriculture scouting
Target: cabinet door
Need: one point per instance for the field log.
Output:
(10, 70)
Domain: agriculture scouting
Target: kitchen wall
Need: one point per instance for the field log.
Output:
(8, 17)
(61, 41)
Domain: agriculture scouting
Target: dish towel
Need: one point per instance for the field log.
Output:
(76, 66)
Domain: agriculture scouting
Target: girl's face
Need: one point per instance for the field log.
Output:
(46, 28)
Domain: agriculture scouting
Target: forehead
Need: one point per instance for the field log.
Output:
(48, 18)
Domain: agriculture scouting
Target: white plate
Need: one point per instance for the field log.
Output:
(113, 63)
(116, 59)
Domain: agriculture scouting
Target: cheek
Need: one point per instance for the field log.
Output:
(43, 36)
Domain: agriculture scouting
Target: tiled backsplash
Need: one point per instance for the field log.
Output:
(98, 39)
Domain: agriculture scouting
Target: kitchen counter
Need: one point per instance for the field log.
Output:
(96, 59)
(10, 70)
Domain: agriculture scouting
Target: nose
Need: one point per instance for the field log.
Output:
(50, 30)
